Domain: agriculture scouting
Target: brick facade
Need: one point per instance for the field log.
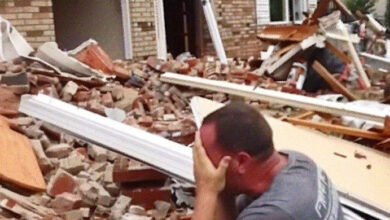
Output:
(143, 28)
(236, 21)
(32, 18)
(237, 25)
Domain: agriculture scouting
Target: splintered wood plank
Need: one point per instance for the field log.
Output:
(336, 85)
(338, 129)
(18, 164)
(342, 56)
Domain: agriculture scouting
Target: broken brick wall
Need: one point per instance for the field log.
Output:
(32, 18)
(143, 28)
(237, 25)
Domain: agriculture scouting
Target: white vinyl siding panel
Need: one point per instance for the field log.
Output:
(262, 11)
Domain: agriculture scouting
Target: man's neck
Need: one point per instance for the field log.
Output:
(265, 173)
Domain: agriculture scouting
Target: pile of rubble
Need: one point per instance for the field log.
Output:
(87, 181)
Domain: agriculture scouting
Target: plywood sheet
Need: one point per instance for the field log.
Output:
(349, 174)
(294, 33)
(18, 164)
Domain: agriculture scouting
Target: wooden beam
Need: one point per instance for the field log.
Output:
(305, 115)
(340, 54)
(336, 85)
(321, 10)
(299, 101)
(355, 58)
(343, 8)
(338, 129)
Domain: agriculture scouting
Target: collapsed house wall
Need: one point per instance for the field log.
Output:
(32, 18)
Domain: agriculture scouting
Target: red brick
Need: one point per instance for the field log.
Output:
(95, 57)
(45, 9)
(146, 194)
(131, 172)
(22, 3)
(34, 33)
(60, 183)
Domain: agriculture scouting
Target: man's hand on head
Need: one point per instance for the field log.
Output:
(208, 178)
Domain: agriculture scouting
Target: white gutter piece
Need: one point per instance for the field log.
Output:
(166, 156)
(299, 101)
(214, 33)
(12, 43)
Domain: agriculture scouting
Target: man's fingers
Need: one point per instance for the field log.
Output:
(223, 165)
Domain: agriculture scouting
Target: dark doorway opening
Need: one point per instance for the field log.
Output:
(79, 20)
(183, 26)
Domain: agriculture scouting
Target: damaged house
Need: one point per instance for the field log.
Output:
(142, 27)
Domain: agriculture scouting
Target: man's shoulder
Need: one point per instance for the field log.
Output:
(265, 212)
(302, 190)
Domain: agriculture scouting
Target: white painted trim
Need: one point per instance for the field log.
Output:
(167, 156)
(275, 96)
(126, 22)
(214, 32)
(161, 37)
(286, 10)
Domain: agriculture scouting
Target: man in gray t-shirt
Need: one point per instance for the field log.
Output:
(234, 159)
(302, 190)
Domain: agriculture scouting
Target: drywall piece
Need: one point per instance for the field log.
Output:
(167, 156)
(50, 53)
(18, 164)
(376, 61)
(214, 33)
(12, 44)
(82, 46)
(276, 96)
(363, 189)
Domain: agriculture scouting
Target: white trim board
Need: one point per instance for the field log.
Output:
(275, 96)
(126, 23)
(214, 32)
(161, 37)
(167, 156)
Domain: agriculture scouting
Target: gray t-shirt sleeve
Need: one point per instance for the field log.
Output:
(270, 212)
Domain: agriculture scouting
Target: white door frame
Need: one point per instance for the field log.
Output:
(211, 22)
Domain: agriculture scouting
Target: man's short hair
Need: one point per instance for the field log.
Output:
(239, 127)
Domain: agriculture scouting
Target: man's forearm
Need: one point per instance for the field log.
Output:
(205, 206)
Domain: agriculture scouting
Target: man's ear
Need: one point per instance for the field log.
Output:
(243, 160)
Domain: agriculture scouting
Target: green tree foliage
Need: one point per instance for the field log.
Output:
(364, 6)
